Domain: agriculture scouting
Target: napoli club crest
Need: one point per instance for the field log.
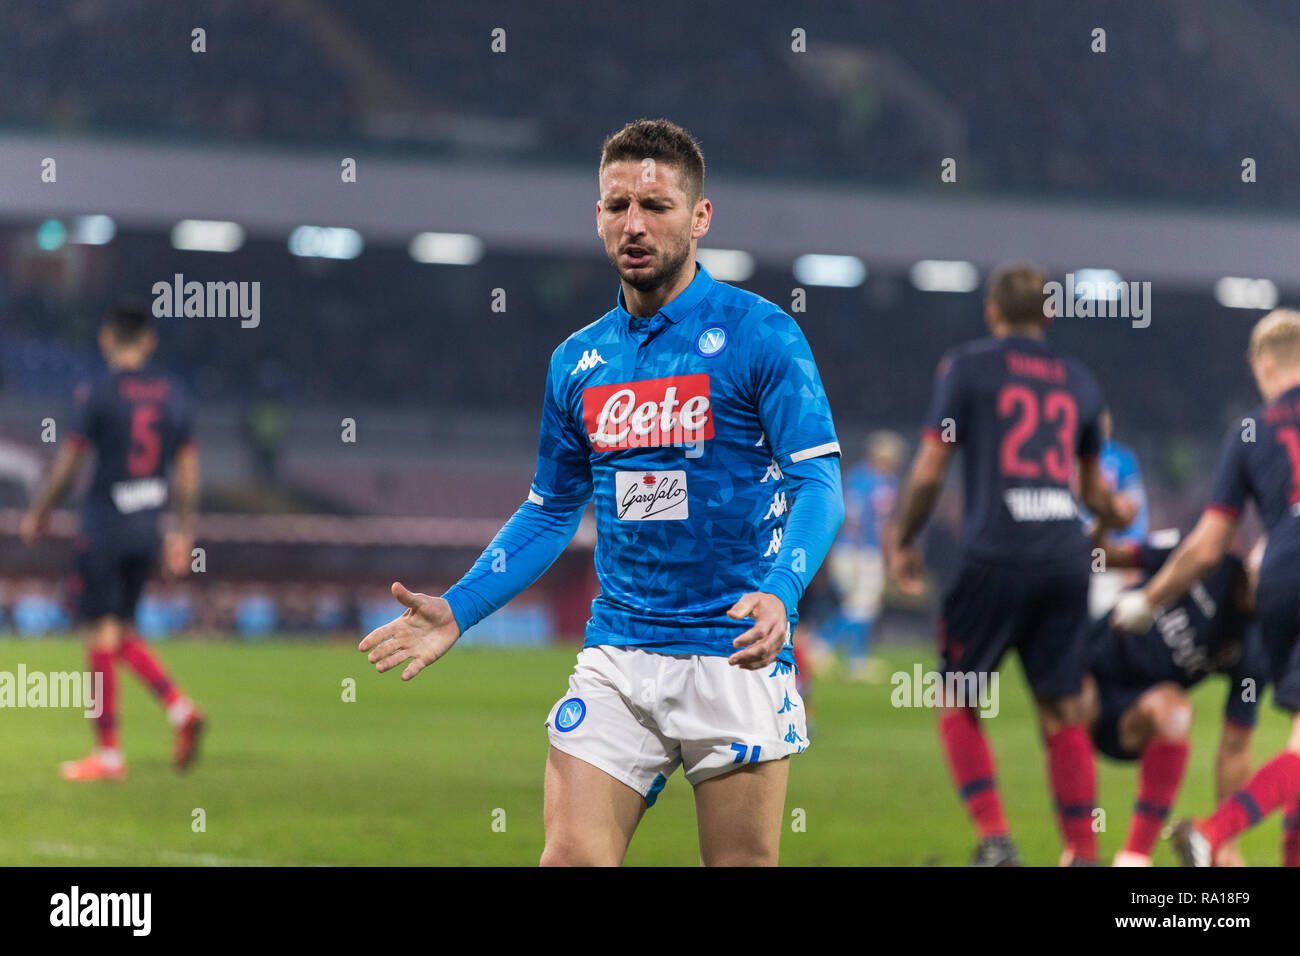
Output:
(711, 341)
(570, 714)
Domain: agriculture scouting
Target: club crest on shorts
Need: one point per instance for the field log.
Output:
(711, 341)
(570, 714)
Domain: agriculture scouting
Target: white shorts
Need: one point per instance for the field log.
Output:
(636, 715)
(859, 576)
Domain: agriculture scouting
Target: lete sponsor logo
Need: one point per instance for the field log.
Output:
(650, 413)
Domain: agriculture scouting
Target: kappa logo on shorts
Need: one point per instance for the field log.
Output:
(570, 714)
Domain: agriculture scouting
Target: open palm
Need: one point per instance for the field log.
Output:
(424, 632)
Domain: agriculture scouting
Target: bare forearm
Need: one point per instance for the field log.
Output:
(1184, 568)
(185, 493)
(57, 487)
(918, 505)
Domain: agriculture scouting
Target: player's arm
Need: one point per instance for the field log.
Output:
(67, 466)
(816, 514)
(1200, 551)
(1112, 509)
(522, 550)
(1195, 556)
(920, 495)
(185, 508)
(796, 418)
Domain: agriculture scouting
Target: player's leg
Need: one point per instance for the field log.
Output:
(1053, 650)
(871, 570)
(106, 761)
(740, 814)
(1291, 835)
(95, 574)
(1277, 783)
(736, 728)
(975, 627)
(1157, 726)
(589, 815)
(135, 654)
(1274, 785)
(608, 761)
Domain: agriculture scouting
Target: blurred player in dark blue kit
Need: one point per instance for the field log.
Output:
(1260, 461)
(136, 419)
(1025, 416)
(1136, 701)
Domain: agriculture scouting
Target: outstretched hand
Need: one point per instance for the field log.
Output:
(425, 632)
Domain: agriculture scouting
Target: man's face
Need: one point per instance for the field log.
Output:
(647, 221)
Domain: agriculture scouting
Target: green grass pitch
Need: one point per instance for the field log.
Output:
(419, 773)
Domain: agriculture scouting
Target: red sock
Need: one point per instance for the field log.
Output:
(1074, 784)
(1291, 835)
(136, 656)
(1163, 763)
(971, 763)
(101, 662)
(1275, 784)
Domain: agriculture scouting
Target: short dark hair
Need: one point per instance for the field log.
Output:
(129, 322)
(663, 141)
(1019, 291)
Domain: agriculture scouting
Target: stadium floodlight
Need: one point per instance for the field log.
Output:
(207, 235)
(50, 235)
(727, 265)
(1097, 284)
(325, 242)
(446, 248)
(844, 272)
(1236, 292)
(944, 275)
(93, 230)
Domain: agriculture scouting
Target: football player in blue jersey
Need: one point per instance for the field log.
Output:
(1259, 462)
(856, 562)
(693, 416)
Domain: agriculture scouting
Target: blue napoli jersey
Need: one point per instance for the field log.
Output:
(678, 426)
(1203, 633)
(1119, 466)
(135, 421)
(869, 499)
(1260, 460)
(1023, 414)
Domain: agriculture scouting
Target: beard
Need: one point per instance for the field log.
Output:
(647, 280)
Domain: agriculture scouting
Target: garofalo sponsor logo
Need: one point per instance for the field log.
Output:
(208, 300)
(75, 908)
(55, 689)
(976, 691)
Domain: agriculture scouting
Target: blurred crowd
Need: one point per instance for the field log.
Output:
(1015, 91)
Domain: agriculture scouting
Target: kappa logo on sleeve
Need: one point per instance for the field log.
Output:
(649, 413)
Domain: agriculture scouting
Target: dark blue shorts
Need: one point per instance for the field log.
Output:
(991, 608)
(1114, 699)
(108, 579)
(1277, 604)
